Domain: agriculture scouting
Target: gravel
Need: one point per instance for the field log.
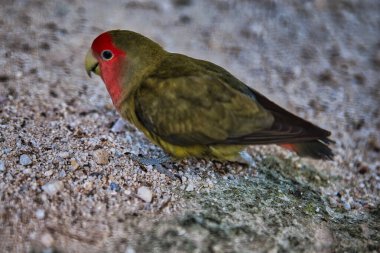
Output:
(64, 150)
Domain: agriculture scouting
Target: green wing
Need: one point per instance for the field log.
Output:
(188, 101)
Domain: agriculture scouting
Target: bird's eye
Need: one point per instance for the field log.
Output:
(107, 55)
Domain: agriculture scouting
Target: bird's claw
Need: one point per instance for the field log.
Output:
(157, 163)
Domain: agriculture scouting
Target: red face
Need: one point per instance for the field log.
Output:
(111, 62)
(104, 49)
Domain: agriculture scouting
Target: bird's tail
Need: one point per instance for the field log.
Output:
(316, 149)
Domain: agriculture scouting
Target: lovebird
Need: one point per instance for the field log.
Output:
(194, 108)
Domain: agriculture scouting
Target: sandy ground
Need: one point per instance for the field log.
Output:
(66, 185)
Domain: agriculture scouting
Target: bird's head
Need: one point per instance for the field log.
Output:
(120, 57)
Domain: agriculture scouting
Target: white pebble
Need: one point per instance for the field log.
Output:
(347, 206)
(40, 214)
(145, 194)
(52, 188)
(47, 240)
(48, 173)
(27, 171)
(129, 249)
(25, 160)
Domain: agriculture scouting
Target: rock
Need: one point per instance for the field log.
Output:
(25, 160)
(101, 157)
(2, 166)
(145, 194)
(52, 188)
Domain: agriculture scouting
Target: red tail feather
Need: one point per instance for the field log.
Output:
(315, 149)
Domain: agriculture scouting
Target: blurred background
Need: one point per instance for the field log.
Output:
(64, 182)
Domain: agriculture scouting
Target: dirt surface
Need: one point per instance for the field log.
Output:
(67, 186)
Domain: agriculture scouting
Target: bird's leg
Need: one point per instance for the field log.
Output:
(158, 163)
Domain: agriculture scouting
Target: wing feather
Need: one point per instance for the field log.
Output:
(193, 102)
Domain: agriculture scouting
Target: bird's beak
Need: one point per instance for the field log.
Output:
(91, 64)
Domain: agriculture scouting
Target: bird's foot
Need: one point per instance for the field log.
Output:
(246, 159)
(159, 163)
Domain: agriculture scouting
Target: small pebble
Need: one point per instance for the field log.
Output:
(27, 171)
(40, 214)
(47, 240)
(333, 202)
(48, 173)
(64, 154)
(145, 194)
(62, 173)
(190, 188)
(114, 186)
(88, 185)
(18, 74)
(52, 188)
(6, 151)
(129, 249)
(363, 168)
(347, 206)
(101, 156)
(25, 160)
(74, 163)
(118, 154)
(2, 166)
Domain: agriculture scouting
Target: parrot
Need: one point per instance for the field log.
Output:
(192, 107)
